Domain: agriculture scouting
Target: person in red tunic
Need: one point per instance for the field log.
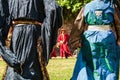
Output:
(62, 39)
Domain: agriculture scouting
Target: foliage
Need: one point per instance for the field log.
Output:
(71, 7)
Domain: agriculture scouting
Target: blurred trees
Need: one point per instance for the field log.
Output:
(71, 8)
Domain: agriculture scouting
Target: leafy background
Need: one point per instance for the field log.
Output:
(71, 7)
(70, 11)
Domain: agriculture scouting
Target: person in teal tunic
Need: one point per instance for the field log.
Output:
(98, 56)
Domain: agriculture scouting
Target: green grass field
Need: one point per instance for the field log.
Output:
(61, 69)
(58, 69)
(2, 68)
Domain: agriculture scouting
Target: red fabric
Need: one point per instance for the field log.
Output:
(64, 48)
(53, 53)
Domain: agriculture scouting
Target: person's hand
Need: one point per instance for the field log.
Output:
(61, 42)
(118, 42)
(57, 44)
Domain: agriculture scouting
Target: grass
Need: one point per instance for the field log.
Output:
(2, 68)
(58, 69)
(61, 69)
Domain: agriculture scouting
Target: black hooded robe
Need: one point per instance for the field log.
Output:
(22, 57)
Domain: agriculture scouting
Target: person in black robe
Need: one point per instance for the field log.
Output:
(35, 24)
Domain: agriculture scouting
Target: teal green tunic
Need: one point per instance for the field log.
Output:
(98, 57)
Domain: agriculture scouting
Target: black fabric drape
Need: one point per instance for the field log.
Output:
(53, 21)
(22, 57)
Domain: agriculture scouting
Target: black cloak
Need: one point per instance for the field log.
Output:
(23, 54)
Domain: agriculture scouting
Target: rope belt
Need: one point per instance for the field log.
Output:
(99, 27)
(26, 22)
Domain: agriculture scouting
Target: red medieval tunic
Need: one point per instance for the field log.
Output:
(64, 48)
